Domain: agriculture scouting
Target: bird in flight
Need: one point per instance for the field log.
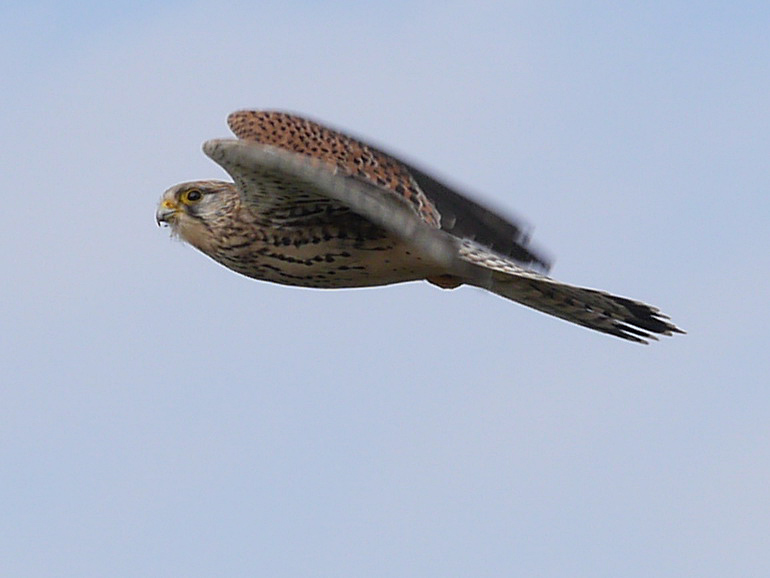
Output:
(312, 207)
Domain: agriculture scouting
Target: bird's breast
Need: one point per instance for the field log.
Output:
(325, 258)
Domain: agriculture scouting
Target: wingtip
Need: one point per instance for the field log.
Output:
(210, 145)
(213, 148)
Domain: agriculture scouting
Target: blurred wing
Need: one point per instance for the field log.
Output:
(465, 218)
(272, 180)
(350, 156)
(438, 203)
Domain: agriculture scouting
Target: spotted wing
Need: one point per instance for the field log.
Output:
(438, 204)
(349, 156)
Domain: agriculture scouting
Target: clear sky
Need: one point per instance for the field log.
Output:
(162, 416)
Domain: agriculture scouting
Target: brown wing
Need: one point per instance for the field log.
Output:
(437, 203)
(352, 157)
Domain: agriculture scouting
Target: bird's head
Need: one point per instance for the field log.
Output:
(193, 209)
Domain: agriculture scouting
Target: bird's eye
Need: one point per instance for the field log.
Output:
(192, 196)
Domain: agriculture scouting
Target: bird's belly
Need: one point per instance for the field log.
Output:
(337, 263)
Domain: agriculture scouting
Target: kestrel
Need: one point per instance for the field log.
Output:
(312, 207)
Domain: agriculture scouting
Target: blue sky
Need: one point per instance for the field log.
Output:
(160, 415)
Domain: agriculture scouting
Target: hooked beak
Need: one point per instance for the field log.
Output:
(167, 211)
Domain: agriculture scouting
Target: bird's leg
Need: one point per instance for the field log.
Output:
(445, 281)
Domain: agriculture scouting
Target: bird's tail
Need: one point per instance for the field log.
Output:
(598, 310)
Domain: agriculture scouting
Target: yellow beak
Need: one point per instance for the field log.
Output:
(167, 210)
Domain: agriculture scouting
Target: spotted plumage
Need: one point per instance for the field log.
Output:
(312, 207)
